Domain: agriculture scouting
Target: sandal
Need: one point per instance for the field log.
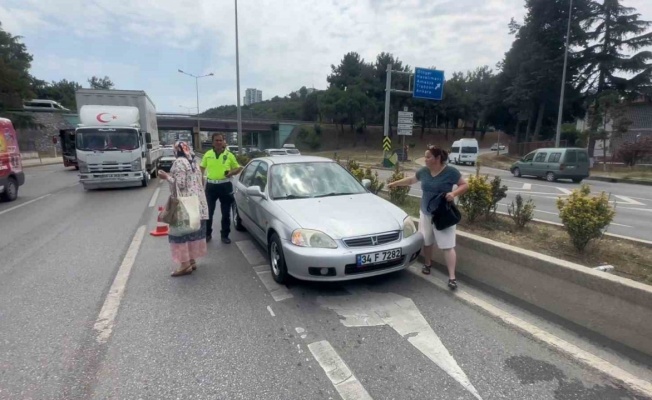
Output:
(181, 272)
(426, 269)
(452, 284)
(193, 264)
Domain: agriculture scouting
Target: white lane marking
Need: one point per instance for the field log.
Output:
(25, 203)
(626, 226)
(251, 252)
(278, 292)
(346, 384)
(106, 318)
(635, 208)
(564, 190)
(629, 200)
(271, 311)
(152, 202)
(527, 186)
(366, 308)
(639, 385)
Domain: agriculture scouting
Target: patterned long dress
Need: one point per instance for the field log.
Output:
(188, 181)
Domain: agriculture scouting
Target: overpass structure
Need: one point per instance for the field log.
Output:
(261, 133)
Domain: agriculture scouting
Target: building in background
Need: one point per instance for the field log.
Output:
(253, 96)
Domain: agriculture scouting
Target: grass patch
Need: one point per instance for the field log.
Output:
(502, 161)
(630, 260)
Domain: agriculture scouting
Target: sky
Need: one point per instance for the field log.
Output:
(283, 44)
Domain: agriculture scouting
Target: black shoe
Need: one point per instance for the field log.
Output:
(226, 240)
(452, 284)
(209, 238)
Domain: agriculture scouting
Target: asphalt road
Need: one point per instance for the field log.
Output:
(88, 311)
(633, 202)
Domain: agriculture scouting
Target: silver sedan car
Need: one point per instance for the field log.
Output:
(319, 223)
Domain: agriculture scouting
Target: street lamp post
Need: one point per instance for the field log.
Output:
(560, 112)
(198, 141)
(237, 75)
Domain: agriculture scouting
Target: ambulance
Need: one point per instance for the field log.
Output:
(11, 166)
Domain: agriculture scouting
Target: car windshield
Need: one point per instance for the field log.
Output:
(293, 151)
(312, 179)
(107, 139)
(168, 152)
(277, 153)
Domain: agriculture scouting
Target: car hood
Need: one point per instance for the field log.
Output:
(168, 159)
(345, 216)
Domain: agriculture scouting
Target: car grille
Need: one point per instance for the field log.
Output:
(352, 269)
(373, 240)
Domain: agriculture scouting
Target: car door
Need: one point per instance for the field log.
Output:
(539, 163)
(259, 216)
(240, 193)
(525, 165)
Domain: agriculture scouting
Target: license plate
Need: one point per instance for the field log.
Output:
(378, 257)
(114, 176)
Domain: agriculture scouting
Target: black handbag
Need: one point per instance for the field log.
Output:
(444, 213)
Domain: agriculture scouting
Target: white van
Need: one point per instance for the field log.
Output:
(464, 151)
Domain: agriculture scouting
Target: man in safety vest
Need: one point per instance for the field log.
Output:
(218, 165)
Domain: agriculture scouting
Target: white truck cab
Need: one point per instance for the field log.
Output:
(111, 148)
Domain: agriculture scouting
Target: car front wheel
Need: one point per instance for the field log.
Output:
(277, 260)
(517, 172)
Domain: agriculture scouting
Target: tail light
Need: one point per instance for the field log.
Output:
(561, 167)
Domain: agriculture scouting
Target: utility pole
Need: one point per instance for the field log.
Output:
(237, 74)
(560, 112)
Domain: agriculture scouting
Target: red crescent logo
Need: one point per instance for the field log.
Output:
(99, 118)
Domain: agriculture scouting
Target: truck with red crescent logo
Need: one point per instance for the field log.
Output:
(117, 140)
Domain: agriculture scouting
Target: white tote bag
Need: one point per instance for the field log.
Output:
(188, 216)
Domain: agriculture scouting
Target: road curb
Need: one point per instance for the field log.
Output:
(42, 164)
(619, 180)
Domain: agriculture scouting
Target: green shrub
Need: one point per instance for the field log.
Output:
(477, 200)
(521, 212)
(398, 194)
(317, 128)
(303, 134)
(584, 216)
(242, 159)
(376, 185)
(498, 192)
(312, 140)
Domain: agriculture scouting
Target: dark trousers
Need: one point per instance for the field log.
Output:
(224, 193)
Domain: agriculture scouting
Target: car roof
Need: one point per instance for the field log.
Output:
(294, 159)
(559, 148)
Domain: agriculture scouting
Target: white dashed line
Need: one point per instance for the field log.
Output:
(564, 190)
(25, 203)
(629, 200)
(105, 320)
(278, 292)
(346, 384)
(152, 202)
(527, 186)
(251, 252)
(271, 311)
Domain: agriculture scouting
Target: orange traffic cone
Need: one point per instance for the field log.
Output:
(162, 228)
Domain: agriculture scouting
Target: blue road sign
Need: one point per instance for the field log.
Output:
(428, 84)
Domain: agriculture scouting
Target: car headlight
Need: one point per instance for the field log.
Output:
(135, 165)
(83, 167)
(311, 238)
(409, 228)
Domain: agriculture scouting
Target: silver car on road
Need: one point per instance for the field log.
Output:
(319, 223)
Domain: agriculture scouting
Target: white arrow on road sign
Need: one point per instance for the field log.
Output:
(365, 308)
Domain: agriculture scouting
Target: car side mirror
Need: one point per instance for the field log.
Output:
(148, 137)
(254, 191)
(366, 183)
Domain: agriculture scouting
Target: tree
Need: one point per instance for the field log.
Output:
(15, 62)
(100, 83)
(616, 30)
(532, 68)
(303, 92)
(62, 91)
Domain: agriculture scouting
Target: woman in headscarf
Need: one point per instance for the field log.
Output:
(185, 177)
